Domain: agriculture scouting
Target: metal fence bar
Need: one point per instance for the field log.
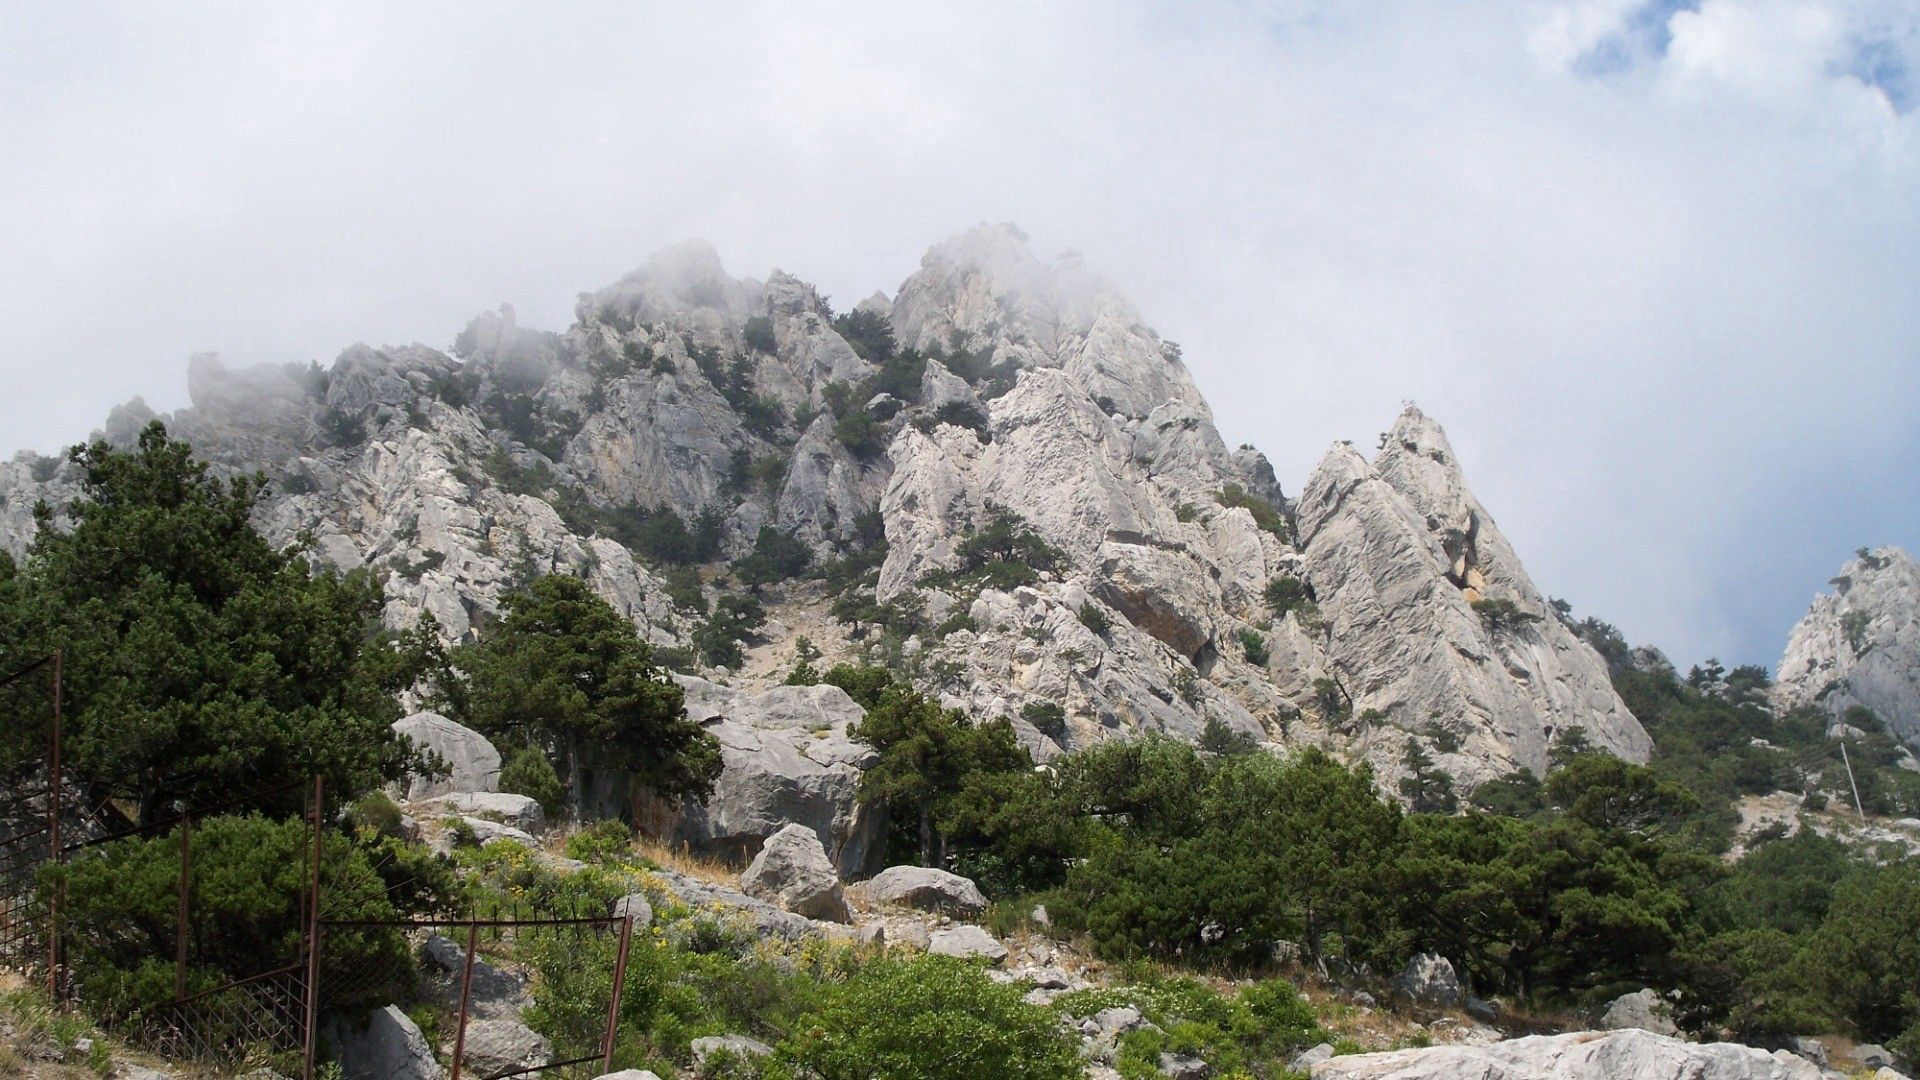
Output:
(53, 825)
(466, 999)
(311, 1012)
(619, 985)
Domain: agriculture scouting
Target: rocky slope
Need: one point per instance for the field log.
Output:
(1860, 645)
(1021, 391)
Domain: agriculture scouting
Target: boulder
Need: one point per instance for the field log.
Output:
(967, 942)
(1812, 1049)
(472, 761)
(387, 1045)
(487, 831)
(927, 889)
(1874, 1056)
(1630, 1054)
(739, 1046)
(793, 871)
(787, 758)
(1429, 979)
(634, 906)
(629, 1074)
(497, 1046)
(517, 811)
(761, 917)
(1308, 1058)
(1643, 1009)
(1184, 1067)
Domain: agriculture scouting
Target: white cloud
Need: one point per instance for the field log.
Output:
(1665, 310)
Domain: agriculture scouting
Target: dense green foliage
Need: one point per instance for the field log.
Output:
(246, 903)
(201, 662)
(563, 672)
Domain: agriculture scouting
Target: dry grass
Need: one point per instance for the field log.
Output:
(679, 859)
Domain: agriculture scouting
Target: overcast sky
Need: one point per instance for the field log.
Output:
(1656, 266)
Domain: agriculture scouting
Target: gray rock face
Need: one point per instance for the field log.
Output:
(1184, 1067)
(473, 763)
(787, 760)
(967, 942)
(498, 1046)
(458, 477)
(1860, 645)
(1643, 1009)
(1583, 1055)
(1398, 552)
(926, 889)
(385, 1046)
(1429, 979)
(793, 871)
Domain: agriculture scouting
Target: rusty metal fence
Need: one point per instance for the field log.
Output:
(531, 955)
(460, 972)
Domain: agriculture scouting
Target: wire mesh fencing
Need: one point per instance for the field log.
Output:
(566, 976)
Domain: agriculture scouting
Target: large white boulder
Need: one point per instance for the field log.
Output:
(473, 763)
(927, 889)
(1583, 1055)
(497, 1046)
(793, 870)
(518, 811)
(386, 1045)
(787, 759)
(1643, 1009)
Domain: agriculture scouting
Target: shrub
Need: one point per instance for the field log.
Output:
(249, 875)
(931, 1018)
(1265, 515)
(1254, 645)
(1094, 618)
(374, 813)
(601, 842)
(1503, 614)
(757, 335)
(1289, 593)
(529, 772)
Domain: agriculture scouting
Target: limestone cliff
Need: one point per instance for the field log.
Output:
(1166, 583)
(1860, 645)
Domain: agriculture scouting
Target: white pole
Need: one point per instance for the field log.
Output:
(1851, 782)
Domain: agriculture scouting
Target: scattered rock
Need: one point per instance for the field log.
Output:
(629, 1074)
(1429, 979)
(1039, 916)
(1874, 1056)
(1184, 1067)
(739, 1046)
(927, 889)
(488, 832)
(793, 871)
(497, 1046)
(516, 811)
(1308, 1058)
(909, 934)
(967, 942)
(387, 1045)
(1643, 1009)
(1482, 1009)
(1812, 1049)
(634, 906)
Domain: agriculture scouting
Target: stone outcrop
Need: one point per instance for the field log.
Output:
(1429, 979)
(793, 871)
(788, 759)
(1859, 645)
(493, 1047)
(1584, 1055)
(1435, 632)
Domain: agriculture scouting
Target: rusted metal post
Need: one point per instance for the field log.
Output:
(186, 891)
(619, 988)
(53, 833)
(311, 1036)
(466, 995)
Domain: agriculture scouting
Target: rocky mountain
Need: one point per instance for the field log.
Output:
(1859, 646)
(1017, 491)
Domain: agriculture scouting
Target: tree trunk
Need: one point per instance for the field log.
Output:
(926, 838)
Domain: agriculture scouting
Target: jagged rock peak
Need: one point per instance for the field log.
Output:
(677, 279)
(1859, 645)
(1434, 629)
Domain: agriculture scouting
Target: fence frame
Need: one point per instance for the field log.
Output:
(307, 966)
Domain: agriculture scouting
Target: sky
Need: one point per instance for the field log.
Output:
(1654, 265)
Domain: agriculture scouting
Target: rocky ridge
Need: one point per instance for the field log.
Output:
(1037, 391)
(1859, 646)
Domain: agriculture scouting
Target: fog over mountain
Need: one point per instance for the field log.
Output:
(1653, 263)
